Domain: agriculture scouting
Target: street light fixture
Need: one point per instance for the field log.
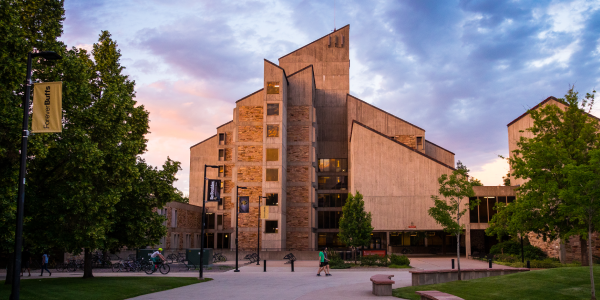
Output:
(258, 230)
(48, 55)
(200, 272)
(237, 216)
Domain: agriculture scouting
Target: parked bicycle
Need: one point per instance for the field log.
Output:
(219, 257)
(175, 257)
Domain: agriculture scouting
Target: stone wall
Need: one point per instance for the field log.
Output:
(253, 192)
(251, 113)
(250, 219)
(297, 240)
(298, 153)
(250, 153)
(298, 113)
(247, 240)
(250, 133)
(249, 174)
(228, 170)
(297, 216)
(297, 133)
(572, 247)
(228, 154)
(297, 194)
(228, 138)
(408, 140)
(297, 174)
(228, 186)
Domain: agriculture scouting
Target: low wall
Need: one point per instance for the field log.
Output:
(422, 277)
(271, 255)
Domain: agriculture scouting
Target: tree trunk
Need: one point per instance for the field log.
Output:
(458, 255)
(522, 250)
(87, 263)
(591, 264)
(584, 254)
(10, 269)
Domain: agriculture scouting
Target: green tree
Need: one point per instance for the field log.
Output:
(456, 189)
(355, 223)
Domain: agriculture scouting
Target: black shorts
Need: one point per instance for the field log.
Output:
(323, 264)
(24, 264)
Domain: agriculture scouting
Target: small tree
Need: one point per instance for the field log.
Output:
(355, 223)
(454, 188)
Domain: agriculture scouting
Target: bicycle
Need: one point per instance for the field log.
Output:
(217, 257)
(161, 267)
(188, 265)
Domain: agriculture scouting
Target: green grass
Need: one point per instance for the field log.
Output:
(559, 283)
(112, 288)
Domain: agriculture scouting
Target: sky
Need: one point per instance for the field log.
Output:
(462, 70)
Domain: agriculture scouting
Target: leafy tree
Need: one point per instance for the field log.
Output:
(355, 223)
(475, 182)
(506, 179)
(455, 189)
(512, 220)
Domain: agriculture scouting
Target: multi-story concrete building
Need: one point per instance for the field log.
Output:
(303, 142)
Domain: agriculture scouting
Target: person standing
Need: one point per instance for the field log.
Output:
(45, 264)
(25, 261)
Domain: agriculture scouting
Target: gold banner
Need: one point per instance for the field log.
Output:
(47, 107)
(264, 212)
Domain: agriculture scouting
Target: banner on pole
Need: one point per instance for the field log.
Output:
(47, 107)
(264, 212)
(244, 205)
(214, 190)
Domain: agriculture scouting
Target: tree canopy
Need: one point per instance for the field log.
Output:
(355, 223)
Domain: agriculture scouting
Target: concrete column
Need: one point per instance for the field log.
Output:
(468, 241)
(387, 242)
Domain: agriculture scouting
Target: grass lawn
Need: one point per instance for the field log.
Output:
(559, 283)
(106, 288)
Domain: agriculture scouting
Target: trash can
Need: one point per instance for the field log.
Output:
(193, 256)
(144, 253)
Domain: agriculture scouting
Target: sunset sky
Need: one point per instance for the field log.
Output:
(461, 70)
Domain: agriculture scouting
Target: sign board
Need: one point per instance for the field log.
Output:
(47, 107)
(264, 212)
(244, 205)
(214, 190)
(374, 252)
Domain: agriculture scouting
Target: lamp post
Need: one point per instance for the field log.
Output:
(200, 272)
(258, 230)
(49, 55)
(237, 215)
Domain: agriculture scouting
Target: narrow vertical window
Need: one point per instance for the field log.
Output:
(273, 154)
(272, 130)
(273, 109)
(221, 138)
(221, 171)
(221, 154)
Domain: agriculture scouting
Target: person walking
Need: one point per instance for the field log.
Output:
(25, 261)
(322, 262)
(45, 264)
(326, 263)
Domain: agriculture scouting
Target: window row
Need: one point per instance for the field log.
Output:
(212, 221)
(329, 219)
(272, 155)
(333, 182)
(332, 200)
(484, 212)
(209, 240)
(333, 165)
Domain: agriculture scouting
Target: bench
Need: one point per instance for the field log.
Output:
(290, 257)
(435, 295)
(382, 284)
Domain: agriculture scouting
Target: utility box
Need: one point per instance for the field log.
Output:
(144, 253)
(193, 256)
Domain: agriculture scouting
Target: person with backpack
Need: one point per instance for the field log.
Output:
(45, 264)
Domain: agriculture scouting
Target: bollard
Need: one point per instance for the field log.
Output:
(452, 264)
(490, 263)
(528, 265)
(292, 266)
(265, 265)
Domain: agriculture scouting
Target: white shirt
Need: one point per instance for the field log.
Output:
(155, 254)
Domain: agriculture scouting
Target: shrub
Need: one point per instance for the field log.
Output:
(400, 260)
(369, 260)
(335, 261)
(505, 258)
(514, 248)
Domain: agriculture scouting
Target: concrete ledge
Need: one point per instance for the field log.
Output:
(422, 277)
(382, 284)
(436, 295)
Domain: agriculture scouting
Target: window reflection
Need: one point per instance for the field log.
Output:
(333, 182)
(333, 165)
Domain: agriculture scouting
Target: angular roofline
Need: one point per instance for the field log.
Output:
(392, 140)
(375, 107)
(314, 41)
(440, 147)
(540, 104)
(312, 69)
(225, 124)
(203, 141)
(284, 76)
(309, 66)
(249, 95)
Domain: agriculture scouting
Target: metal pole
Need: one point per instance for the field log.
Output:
(522, 252)
(200, 272)
(16, 284)
(237, 214)
(258, 233)
(452, 264)
(265, 265)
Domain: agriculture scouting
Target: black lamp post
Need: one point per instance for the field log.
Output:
(49, 55)
(237, 215)
(258, 231)
(202, 227)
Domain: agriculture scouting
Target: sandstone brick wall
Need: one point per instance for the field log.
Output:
(408, 140)
(298, 113)
(249, 174)
(298, 152)
(297, 194)
(253, 192)
(227, 204)
(297, 216)
(227, 221)
(297, 133)
(228, 138)
(572, 247)
(250, 133)
(250, 153)
(227, 186)
(228, 154)
(297, 240)
(247, 241)
(251, 113)
(297, 173)
(250, 219)
(228, 170)
(185, 218)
